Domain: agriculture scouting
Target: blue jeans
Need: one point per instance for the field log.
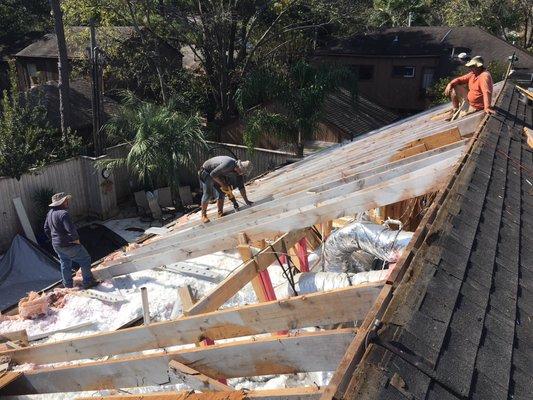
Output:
(209, 189)
(78, 254)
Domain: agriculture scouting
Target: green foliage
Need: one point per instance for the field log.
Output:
(26, 138)
(41, 197)
(298, 91)
(161, 140)
(496, 16)
(396, 12)
(436, 91)
(22, 18)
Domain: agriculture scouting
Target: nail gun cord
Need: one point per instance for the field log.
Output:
(289, 279)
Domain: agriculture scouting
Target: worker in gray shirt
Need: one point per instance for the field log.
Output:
(219, 174)
(66, 242)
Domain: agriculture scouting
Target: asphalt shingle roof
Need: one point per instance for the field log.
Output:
(78, 39)
(429, 41)
(355, 117)
(464, 310)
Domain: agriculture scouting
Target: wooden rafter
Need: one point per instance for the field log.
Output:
(226, 289)
(333, 307)
(299, 393)
(382, 185)
(279, 355)
(194, 379)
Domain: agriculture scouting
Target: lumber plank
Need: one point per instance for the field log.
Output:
(8, 377)
(15, 336)
(287, 185)
(327, 308)
(297, 393)
(246, 255)
(226, 289)
(280, 355)
(186, 297)
(24, 220)
(194, 379)
(438, 139)
(258, 221)
(410, 151)
(350, 359)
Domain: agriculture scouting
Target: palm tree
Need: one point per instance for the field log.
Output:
(299, 92)
(161, 140)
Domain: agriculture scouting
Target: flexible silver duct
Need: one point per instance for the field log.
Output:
(354, 247)
(311, 282)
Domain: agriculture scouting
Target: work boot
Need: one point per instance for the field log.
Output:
(205, 220)
(89, 285)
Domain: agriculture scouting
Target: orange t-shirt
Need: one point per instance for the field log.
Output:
(479, 89)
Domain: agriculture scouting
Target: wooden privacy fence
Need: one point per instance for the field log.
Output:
(263, 160)
(77, 176)
(98, 197)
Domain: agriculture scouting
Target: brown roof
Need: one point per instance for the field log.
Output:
(429, 41)
(355, 117)
(78, 39)
(80, 100)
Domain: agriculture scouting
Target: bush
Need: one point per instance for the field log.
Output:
(26, 138)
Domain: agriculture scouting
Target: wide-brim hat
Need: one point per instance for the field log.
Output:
(476, 61)
(58, 199)
(244, 166)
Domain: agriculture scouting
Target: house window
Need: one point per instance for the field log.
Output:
(427, 77)
(363, 72)
(402, 71)
(32, 69)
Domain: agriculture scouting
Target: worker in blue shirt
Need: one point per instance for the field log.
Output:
(66, 242)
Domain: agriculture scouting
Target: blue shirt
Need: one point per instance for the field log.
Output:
(59, 228)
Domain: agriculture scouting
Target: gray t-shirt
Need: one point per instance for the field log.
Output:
(220, 166)
(224, 166)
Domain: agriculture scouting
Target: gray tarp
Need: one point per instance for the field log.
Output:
(25, 268)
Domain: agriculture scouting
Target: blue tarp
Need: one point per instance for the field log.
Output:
(24, 268)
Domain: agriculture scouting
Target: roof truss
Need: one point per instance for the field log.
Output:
(404, 160)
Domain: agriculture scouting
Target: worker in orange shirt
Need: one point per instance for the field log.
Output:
(474, 88)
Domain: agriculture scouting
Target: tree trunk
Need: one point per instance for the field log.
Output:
(63, 67)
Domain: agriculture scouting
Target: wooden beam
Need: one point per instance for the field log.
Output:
(15, 336)
(344, 374)
(226, 289)
(340, 379)
(279, 355)
(194, 379)
(316, 309)
(320, 203)
(297, 393)
(246, 255)
(8, 377)
(186, 297)
(145, 306)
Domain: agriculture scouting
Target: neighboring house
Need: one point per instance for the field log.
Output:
(37, 63)
(80, 104)
(396, 66)
(343, 118)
